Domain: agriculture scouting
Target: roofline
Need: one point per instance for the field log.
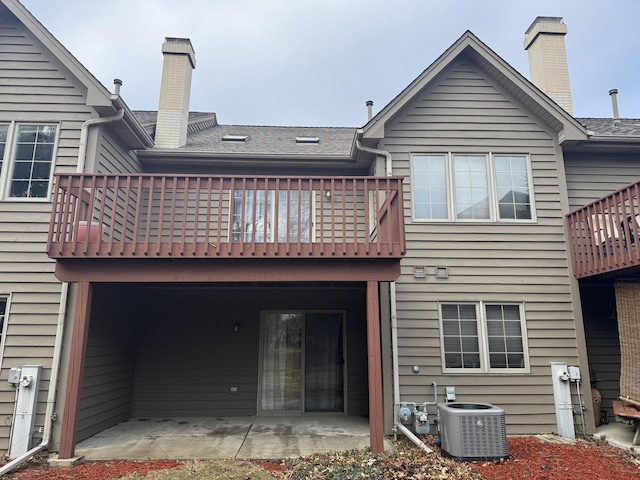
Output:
(133, 124)
(375, 127)
(97, 94)
(177, 153)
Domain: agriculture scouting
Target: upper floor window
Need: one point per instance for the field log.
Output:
(471, 187)
(26, 159)
(483, 337)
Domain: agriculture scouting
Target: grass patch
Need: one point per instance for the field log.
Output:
(206, 470)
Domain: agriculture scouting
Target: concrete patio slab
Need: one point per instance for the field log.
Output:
(272, 437)
(168, 438)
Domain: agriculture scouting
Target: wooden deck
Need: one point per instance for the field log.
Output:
(604, 235)
(188, 216)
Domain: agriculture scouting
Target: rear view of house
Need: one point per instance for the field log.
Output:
(161, 264)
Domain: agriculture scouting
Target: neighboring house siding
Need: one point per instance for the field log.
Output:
(592, 176)
(32, 89)
(462, 111)
(603, 344)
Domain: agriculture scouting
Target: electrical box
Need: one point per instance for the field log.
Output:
(574, 373)
(25, 410)
(14, 376)
(450, 394)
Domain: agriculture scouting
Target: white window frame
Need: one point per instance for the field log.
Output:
(3, 327)
(483, 339)
(494, 213)
(8, 162)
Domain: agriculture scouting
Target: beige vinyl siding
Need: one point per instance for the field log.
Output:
(592, 176)
(25, 270)
(462, 111)
(34, 89)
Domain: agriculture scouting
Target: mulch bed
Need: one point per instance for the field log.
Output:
(530, 458)
(107, 470)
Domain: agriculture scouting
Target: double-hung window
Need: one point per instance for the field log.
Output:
(26, 159)
(483, 337)
(471, 187)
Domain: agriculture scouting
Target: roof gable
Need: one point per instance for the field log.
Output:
(128, 129)
(498, 70)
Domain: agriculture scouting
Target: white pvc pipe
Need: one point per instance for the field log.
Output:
(413, 438)
(53, 384)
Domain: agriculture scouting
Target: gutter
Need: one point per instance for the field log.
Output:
(84, 134)
(384, 153)
(49, 415)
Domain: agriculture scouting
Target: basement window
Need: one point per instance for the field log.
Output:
(235, 138)
(307, 139)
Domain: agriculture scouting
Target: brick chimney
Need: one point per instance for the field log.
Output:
(175, 90)
(544, 41)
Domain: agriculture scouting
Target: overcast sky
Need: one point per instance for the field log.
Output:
(316, 62)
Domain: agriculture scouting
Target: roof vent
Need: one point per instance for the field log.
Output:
(307, 139)
(235, 138)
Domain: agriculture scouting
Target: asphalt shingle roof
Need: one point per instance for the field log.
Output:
(606, 127)
(273, 140)
(262, 140)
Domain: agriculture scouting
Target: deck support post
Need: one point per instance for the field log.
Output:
(376, 427)
(80, 334)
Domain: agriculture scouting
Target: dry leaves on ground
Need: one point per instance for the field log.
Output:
(529, 459)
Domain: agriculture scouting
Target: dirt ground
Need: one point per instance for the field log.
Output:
(529, 459)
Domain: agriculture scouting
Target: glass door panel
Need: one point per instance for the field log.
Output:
(324, 359)
(281, 377)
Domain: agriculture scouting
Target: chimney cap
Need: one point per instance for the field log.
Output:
(557, 20)
(177, 45)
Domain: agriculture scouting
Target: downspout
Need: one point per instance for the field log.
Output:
(84, 135)
(394, 314)
(53, 385)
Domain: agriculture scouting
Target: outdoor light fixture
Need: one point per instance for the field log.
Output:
(236, 327)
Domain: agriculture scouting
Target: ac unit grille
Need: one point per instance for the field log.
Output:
(473, 431)
(487, 440)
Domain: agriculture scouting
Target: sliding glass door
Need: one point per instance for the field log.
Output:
(302, 362)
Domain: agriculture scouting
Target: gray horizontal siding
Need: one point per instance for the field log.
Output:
(461, 111)
(592, 176)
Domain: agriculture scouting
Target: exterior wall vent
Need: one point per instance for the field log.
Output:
(235, 138)
(472, 431)
(307, 139)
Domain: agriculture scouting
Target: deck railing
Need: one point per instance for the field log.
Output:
(604, 235)
(165, 216)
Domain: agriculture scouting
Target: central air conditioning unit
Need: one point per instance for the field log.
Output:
(472, 431)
